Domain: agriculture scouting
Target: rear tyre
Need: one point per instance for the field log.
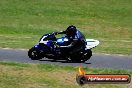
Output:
(82, 56)
(87, 55)
(34, 54)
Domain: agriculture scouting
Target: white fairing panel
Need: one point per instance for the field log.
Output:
(91, 43)
(44, 42)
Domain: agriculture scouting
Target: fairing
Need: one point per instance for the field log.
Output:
(91, 43)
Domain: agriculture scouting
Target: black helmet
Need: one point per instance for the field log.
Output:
(71, 30)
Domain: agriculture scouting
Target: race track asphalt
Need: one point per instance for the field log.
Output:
(96, 61)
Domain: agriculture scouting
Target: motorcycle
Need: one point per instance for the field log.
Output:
(47, 48)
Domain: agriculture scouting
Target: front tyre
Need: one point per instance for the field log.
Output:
(34, 54)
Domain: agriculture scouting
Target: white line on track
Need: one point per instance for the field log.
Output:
(14, 49)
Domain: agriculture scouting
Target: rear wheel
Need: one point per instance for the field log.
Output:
(34, 54)
(87, 55)
(82, 56)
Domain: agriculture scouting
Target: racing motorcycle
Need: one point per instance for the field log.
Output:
(47, 48)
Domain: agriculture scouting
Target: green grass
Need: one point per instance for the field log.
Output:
(22, 22)
(18, 75)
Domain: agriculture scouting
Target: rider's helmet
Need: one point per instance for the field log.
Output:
(71, 31)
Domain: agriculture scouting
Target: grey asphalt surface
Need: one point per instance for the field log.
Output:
(96, 61)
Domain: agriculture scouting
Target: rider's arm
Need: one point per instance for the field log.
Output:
(62, 32)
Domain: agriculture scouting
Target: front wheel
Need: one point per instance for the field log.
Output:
(34, 54)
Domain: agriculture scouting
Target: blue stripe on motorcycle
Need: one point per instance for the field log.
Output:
(90, 41)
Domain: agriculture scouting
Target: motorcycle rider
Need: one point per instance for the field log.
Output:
(76, 40)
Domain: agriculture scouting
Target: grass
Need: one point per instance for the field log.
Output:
(23, 22)
(18, 75)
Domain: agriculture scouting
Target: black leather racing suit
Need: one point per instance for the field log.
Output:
(76, 43)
